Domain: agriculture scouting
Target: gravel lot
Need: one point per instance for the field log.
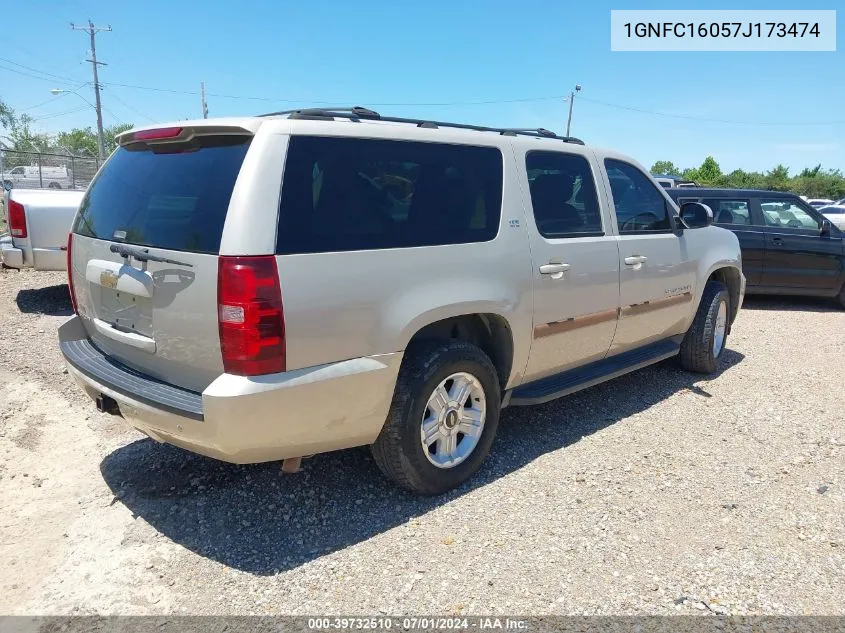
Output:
(658, 493)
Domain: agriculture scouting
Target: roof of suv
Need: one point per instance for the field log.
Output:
(356, 115)
(701, 192)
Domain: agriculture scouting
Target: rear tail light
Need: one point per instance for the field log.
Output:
(17, 219)
(70, 271)
(250, 315)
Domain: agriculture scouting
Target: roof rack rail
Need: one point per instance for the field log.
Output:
(357, 112)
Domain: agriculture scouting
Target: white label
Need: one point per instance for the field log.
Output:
(722, 30)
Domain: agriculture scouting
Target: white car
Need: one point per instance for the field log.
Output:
(39, 222)
(818, 202)
(35, 177)
(835, 213)
(430, 271)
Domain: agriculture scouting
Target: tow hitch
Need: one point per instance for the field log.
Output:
(105, 404)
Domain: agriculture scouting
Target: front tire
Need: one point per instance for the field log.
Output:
(705, 340)
(443, 418)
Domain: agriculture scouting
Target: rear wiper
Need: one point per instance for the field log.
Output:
(143, 255)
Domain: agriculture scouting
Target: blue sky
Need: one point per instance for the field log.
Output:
(459, 52)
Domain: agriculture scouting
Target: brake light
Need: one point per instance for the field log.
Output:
(250, 315)
(17, 219)
(159, 133)
(70, 272)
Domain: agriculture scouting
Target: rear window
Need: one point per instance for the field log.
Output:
(348, 194)
(176, 201)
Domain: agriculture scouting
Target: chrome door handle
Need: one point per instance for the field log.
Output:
(634, 260)
(554, 269)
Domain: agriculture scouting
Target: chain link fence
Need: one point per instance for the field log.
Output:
(37, 170)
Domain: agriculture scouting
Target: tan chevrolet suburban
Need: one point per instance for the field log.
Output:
(272, 287)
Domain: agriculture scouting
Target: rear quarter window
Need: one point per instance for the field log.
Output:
(348, 194)
(175, 200)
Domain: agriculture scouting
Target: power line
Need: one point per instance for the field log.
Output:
(706, 119)
(56, 114)
(47, 79)
(423, 104)
(130, 108)
(38, 105)
(63, 94)
(40, 72)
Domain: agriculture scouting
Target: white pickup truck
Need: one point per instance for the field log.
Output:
(39, 221)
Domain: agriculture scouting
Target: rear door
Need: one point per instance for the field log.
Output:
(167, 199)
(576, 263)
(798, 257)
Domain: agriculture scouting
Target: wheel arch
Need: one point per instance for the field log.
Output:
(728, 274)
(490, 331)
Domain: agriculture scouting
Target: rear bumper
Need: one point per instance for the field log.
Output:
(9, 255)
(245, 419)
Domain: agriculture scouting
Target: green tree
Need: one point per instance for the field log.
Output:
(665, 167)
(710, 173)
(7, 116)
(110, 133)
(25, 140)
(778, 179)
(80, 141)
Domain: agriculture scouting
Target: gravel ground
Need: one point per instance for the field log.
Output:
(657, 493)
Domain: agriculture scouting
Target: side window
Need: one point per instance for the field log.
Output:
(787, 214)
(563, 194)
(349, 194)
(640, 207)
(734, 212)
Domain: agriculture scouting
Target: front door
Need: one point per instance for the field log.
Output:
(657, 277)
(576, 263)
(798, 257)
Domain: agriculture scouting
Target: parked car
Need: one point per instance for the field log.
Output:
(818, 202)
(667, 182)
(39, 221)
(412, 278)
(788, 247)
(35, 177)
(835, 213)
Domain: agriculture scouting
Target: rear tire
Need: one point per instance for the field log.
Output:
(400, 449)
(706, 339)
(841, 296)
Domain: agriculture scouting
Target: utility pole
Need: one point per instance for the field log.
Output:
(204, 104)
(92, 31)
(571, 102)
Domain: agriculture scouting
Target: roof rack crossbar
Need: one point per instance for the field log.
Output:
(358, 112)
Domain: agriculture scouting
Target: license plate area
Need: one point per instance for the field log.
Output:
(126, 311)
(121, 296)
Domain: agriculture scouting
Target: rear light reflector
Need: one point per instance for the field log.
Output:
(17, 219)
(159, 133)
(70, 272)
(250, 315)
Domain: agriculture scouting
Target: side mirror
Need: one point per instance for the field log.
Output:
(695, 215)
(824, 231)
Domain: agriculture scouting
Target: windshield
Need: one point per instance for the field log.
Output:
(173, 200)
